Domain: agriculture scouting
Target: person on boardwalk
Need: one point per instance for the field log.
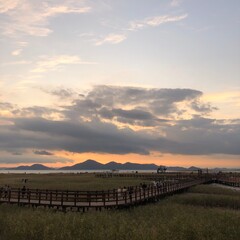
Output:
(130, 191)
(119, 192)
(5, 191)
(124, 191)
(23, 191)
(144, 186)
(154, 183)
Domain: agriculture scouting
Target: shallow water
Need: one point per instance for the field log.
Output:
(225, 186)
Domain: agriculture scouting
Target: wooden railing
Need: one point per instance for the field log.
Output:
(95, 199)
(122, 197)
(230, 180)
(149, 176)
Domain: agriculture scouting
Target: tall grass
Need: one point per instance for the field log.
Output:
(165, 220)
(210, 200)
(202, 213)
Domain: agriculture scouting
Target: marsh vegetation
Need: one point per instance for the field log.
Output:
(204, 212)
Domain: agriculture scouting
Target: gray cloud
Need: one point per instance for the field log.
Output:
(42, 152)
(133, 114)
(89, 125)
(202, 107)
(135, 105)
(108, 95)
(196, 136)
(6, 105)
(31, 159)
(62, 93)
(92, 136)
(35, 111)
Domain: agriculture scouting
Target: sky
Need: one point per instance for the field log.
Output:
(154, 81)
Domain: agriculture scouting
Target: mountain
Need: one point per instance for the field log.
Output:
(94, 165)
(87, 165)
(112, 165)
(32, 167)
(138, 166)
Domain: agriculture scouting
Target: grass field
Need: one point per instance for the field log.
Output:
(204, 212)
(66, 181)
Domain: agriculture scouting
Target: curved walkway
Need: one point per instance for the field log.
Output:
(84, 200)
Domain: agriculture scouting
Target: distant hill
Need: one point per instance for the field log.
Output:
(87, 165)
(94, 165)
(32, 167)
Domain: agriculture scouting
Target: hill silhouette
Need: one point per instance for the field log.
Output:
(91, 164)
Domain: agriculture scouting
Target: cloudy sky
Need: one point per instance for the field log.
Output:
(154, 81)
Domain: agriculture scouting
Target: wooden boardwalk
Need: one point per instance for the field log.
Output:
(85, 200)
(233, 181)
(98, 200)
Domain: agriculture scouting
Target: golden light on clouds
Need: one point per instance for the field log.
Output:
(228, 104)
(92, 77)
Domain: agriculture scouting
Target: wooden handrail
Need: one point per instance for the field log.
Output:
(113, 198)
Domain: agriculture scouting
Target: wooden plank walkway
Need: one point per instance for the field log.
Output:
(116, 198)
(233, 181)
(85, 200)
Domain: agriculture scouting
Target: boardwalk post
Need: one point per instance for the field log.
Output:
(104, 199)
(39, 197)
(9, 196)
(18, 196)
(29, 196)
(130, 193)
(75, 199)
(140, 190)
(116, 192)
(56, 195)
(62, 198)
(50, 198)
(89, 199)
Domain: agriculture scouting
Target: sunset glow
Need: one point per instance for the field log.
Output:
(123, 81)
